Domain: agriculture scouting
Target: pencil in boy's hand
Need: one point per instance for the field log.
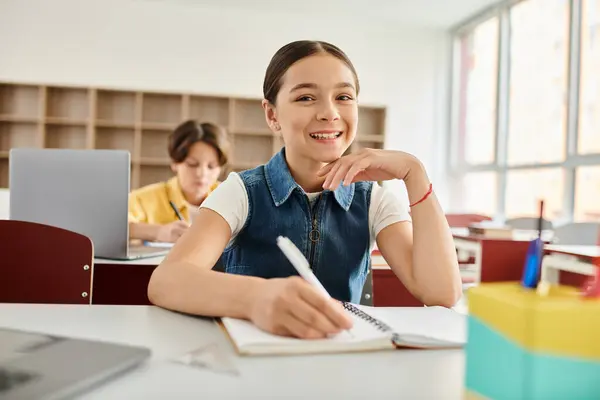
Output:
(174, 207)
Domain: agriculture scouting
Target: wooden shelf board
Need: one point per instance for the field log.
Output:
(253, 132)
(3, 154)
(19, 119)
(158, 126)
(64, 121)
(114, 124)
(155, 161)
(245, 165)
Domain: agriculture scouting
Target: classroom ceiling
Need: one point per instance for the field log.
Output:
(441, 14)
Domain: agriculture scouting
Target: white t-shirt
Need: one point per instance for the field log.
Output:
(230, 200)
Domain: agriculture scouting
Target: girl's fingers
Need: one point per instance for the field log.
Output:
(331, 175)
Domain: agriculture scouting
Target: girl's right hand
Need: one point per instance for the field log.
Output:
(171, 232)
(293, 307)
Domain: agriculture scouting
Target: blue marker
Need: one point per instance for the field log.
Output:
(533, 259)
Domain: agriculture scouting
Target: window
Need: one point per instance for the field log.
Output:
(479, 65)
(538, 81)
(515, 94)
(587, 194)
(479, 191)
(589, 92)
(526, 187)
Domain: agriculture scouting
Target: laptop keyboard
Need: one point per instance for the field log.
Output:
(11, 379)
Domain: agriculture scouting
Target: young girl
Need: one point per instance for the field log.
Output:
(326, 203)
(198, 152)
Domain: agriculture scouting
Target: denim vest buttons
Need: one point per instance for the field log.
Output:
(333, 236)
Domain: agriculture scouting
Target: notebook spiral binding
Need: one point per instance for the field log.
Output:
(364, 316)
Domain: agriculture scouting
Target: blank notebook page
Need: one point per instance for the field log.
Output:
(437, 323)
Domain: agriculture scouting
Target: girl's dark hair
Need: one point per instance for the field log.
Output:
(295, 51)
(192, 131)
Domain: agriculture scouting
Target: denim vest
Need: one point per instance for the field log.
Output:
(333, 236)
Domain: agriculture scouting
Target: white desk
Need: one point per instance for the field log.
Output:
(154, 261)
(410, 374)
(503, 257)
(571, 258)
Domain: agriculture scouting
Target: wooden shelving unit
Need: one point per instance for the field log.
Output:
(50, 116)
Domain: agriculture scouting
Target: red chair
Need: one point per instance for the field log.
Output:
(464, 220)
(44, 264)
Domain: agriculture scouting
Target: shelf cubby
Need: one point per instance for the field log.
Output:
(115, 139)
(154, 144)
(154, 173)
(19, 101)
(252, 150)
(65, 137)
(164, 109)
(210, 109)
(115, 108)
(371, 122)
(67, 104)
(18, 134)
(248, 116)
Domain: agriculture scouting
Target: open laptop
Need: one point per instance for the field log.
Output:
(84, 191)
(39, 366)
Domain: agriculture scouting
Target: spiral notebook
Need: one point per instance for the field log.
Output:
(375, 328)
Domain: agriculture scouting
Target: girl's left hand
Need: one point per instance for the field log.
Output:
(369, 165)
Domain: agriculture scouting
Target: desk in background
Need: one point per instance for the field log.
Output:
(570, 264)
(411, 374)
(388, 291)
(493, 259)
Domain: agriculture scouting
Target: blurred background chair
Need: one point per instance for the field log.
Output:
(579, 233)
(44, 264)
(528, 223)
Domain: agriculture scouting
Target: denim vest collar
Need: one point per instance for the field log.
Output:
(281, 183)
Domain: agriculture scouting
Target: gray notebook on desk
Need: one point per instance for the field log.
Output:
(39, 366)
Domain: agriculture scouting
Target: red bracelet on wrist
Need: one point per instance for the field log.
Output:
(424, 197)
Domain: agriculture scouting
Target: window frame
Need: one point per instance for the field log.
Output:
(458, 168)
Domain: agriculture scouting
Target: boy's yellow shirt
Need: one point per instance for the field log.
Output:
(150, 204)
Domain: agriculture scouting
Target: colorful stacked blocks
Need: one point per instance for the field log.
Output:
(522, 345)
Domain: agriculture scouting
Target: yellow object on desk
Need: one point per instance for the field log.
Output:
(525, 346)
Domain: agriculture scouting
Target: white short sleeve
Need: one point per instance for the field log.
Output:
(386, 208)
(230, 201)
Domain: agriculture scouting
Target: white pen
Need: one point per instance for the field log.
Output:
(301, 264)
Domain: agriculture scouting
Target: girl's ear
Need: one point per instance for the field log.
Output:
(271, 116)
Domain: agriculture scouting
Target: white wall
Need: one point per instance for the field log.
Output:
(178, 46)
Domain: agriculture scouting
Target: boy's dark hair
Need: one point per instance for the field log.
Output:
(192, 131)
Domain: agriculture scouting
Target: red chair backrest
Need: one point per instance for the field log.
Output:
(44, 264)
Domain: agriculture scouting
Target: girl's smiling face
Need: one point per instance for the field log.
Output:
(316, 109)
